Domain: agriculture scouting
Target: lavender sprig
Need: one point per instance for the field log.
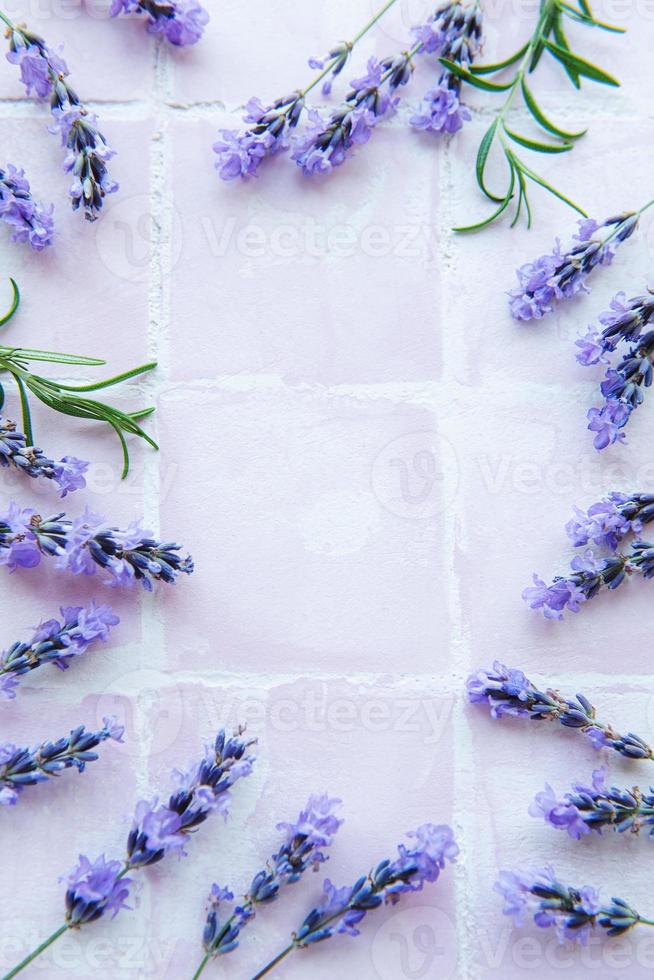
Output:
(56, 643)
(269, 126)
(455, 35)
(44, 73)
(86, 544)
(22, 767)
(574, 912)
(327, 143)
(301, 849)
(596, 808)
(94, 888)
(181, 22)
(67, 473)
(624, 384)
(606, 523)
(70, 400)
(549, 36)
(507, 691)
(562, 275)
(342, 909)
(29, 221)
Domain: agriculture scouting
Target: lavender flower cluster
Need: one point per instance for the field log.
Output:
(507, 691)
(573, 912)
(561, 275)
(44, 73)
(624, 383)
(55, 642)
(86, 544)
(95, 888)
(302, 848)
(23, 767)
(67, 473)
(596, 807)
(605, 524)
(28, 220)
(454, 31)
(182, 22)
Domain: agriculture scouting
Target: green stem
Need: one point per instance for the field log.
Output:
(201, 967)
(350, 44)
(646, 206)
(7, 21)
(47, 942)
(522, 68)
(273, 963)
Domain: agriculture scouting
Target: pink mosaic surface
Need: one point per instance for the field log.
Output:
(366, 457)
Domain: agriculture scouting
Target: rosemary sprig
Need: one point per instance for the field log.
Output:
(548, 37)
(69, 399)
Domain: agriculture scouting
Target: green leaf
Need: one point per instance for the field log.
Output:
(14, 303)
(499, 65)
(467, 76)
(98, 385)
(482, 157)
(562, 42)
(552, 16)
(25, 409)
(51, 357)
(588, 19)
(496, 214)
(542, 119)
(537, 179)
(535, 145)
(567, 58)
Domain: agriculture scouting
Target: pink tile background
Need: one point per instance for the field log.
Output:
(366, 457)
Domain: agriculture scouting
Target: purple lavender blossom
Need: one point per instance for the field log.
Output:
(608, 521)
(21, 767)
(607, 423)
(161, 829)
(29, 221)
(327, 143)
(93, 889)
(507, 691)
(455, 34)
(56, 643)
(301, 849)
(241, 154)
(67, 473)
(573, 912)
(596, 808)
(337, 59)
(342, 909)
(181, 22)
(562, 275)
(44, 74)
(83, 545)
(588, 576)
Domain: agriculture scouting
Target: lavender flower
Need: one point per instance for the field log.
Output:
(181, 22)
(55, 643)
(21, 767)
(596, 808)
(455, 34)
(67, 473)
(29, 221)
(333, 64)
(608, 521)
(101, 886)
(326, 143)
(342, 909)
(313, 830)
(573, 912)
(562, 275)
(160, 829)
(44, 73)
(93, 889)
(86, 544)
(507, 691)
